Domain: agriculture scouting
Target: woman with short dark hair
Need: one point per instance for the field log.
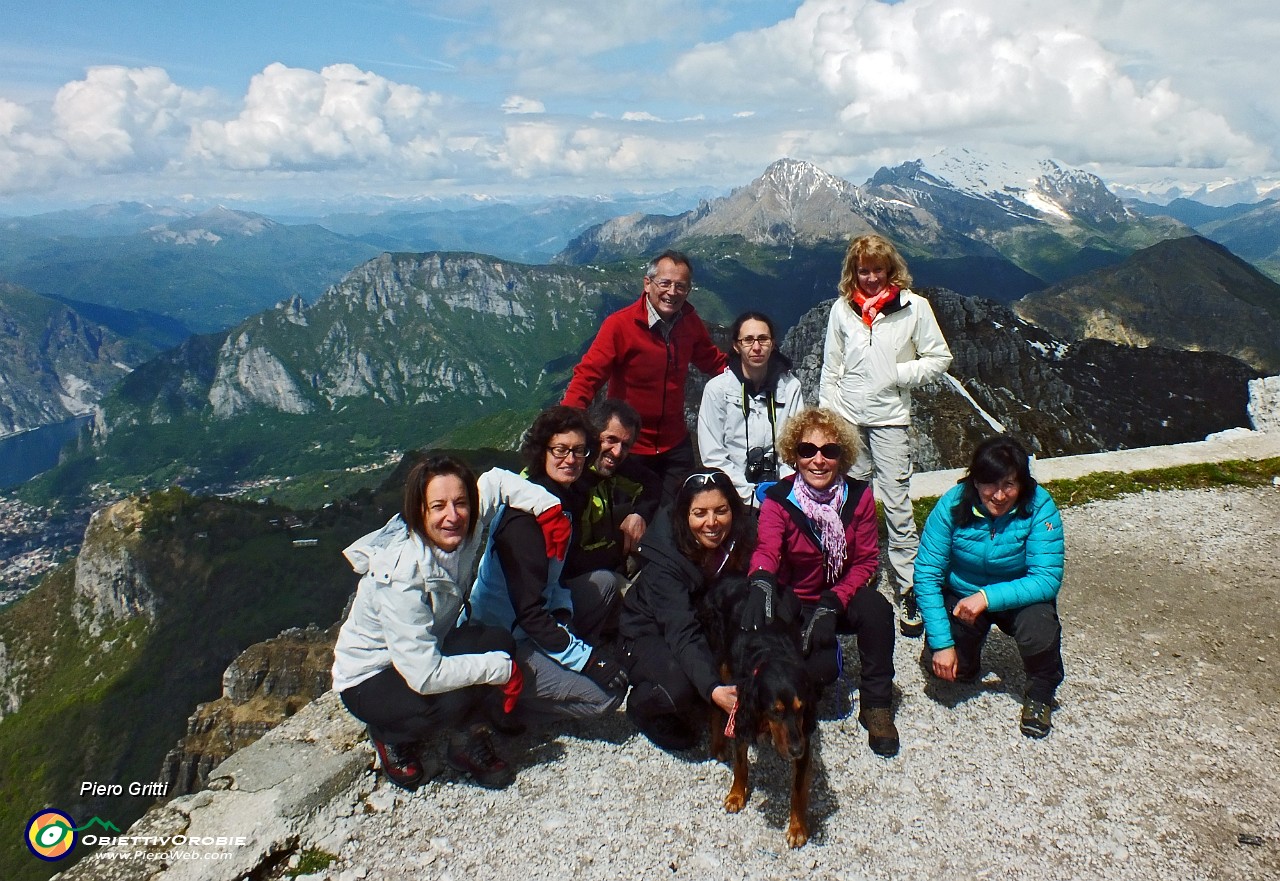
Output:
(992, 553)
(559, 629)
(403, 664)
(664, 645)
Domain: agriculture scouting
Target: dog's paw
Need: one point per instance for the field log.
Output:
(735, 801)
(797, 834)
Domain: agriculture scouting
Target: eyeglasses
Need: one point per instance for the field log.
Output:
(560, 452)
(666, 284)
(717, 479)
(806, 450)
(750, 342)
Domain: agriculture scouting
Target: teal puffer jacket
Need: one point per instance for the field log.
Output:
(1016, 560)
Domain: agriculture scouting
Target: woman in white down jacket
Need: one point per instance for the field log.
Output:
(407, 663)
(882, 341)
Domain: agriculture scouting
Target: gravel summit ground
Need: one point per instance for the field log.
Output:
(1163, 762)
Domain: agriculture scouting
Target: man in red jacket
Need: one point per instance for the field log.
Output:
(643, 351)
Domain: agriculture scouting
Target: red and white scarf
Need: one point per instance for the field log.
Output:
(871, 306)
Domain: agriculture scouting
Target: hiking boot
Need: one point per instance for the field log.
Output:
(472, 753)
(1037, 718)
(909, 621)
(400, 763)
(882, 734)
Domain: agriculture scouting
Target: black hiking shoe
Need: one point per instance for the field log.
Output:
(472, 753)
(1037, 718)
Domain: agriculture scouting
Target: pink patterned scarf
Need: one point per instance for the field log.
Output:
(822, 507)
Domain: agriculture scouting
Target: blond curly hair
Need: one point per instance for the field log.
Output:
(872, 250)
(826, 421)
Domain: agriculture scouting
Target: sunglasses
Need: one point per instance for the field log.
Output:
(806, 450)
(717, 479)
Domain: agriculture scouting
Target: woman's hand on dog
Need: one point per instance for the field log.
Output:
(725, 697)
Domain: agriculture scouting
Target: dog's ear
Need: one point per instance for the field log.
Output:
(749, 703)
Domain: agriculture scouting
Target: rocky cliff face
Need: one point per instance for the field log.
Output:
(111, 580)
(400, 330)
(1009, 375)
(265, 685)
(54, 363)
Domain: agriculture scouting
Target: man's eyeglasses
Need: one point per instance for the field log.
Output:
(717, 479)
(666, 284)
(560, 452)
(750, 342)
(806, 450)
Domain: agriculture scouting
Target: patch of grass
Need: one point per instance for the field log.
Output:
(1103, 485)
(310, 861)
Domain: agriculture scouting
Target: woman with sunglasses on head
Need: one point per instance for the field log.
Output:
(558, 628)
(404, 664)
(992, 553)
(672, 670)
(817, 537)
(745, 408)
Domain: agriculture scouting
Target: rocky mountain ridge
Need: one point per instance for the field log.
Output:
(1037, 225)
(1187, 293)
(54, 362)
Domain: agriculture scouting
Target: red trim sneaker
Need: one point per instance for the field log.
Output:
(400, 763)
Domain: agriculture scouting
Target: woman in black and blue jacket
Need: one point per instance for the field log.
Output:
(992, 553)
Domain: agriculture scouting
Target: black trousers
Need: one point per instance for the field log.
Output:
(672, 467)
(869, 616)
(395, 713)
(1035, 628)
(659, 686)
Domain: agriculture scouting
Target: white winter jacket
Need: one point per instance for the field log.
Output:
(867, 372)
(410, 596)
(726, 433)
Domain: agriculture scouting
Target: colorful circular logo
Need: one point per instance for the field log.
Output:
(51, 834)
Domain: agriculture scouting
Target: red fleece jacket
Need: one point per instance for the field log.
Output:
(646, 371)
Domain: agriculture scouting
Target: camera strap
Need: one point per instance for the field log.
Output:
(771, 407)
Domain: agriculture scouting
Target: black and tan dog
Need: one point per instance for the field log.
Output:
(777, 701)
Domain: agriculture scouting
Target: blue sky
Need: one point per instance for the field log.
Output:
(336, 100)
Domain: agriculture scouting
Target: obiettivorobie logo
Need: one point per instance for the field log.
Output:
(51, 834)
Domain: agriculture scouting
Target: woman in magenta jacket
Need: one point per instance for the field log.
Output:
(817, 537)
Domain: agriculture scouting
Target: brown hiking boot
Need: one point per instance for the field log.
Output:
(882, 734)
(472, 753)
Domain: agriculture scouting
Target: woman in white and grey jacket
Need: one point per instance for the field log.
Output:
(744, 409)
(882, 341)
(403, 663)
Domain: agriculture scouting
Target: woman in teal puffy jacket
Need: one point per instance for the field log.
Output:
(992, 553)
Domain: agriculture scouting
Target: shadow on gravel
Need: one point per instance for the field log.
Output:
(999, 657)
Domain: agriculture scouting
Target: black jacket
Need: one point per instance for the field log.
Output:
(664, 601)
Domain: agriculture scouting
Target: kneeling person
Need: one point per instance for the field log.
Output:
(518, 586)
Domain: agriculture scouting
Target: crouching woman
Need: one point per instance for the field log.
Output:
(403, 664)
(992, 553)
(664, 642)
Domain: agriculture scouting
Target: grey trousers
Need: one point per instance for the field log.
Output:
(887, 461)
(555, 692)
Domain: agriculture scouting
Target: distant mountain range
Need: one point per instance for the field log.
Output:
(416, 348)
(1038, 225)
(206, 271)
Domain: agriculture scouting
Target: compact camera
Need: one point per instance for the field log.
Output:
(762, 465)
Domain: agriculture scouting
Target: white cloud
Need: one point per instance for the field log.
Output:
(300, 119)
(959, 71)
(640, 116)
(120, 117)
(521, 104)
